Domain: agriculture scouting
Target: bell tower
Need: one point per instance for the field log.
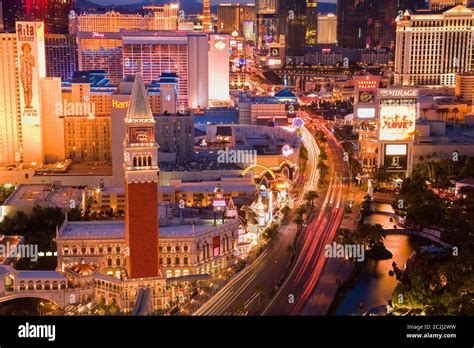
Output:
(141, 185)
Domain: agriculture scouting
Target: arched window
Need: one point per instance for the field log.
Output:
(140, 162)
(134, 161)
(149, 161)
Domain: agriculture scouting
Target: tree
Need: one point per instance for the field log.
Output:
(369, 235)
(455, 111)
(310, 196)
(298, 220)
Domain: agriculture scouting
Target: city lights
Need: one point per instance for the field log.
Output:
(287, 158)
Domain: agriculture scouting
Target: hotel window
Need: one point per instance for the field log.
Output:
(185, 248)
(109, 249)
(117, 261)
(117, 249)
(92, 251)
(168, 260)
(176, 260)
(66, 250)
(161, 261)
(160, 248)
(168, 248)
(186, 260)
(109, 262)
(176, 248)
(101, 250)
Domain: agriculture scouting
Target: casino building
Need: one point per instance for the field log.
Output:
(386, 119)
(137, 253)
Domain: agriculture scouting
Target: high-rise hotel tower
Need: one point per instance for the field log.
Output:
(432, 47)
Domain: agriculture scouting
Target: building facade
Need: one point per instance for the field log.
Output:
(312, 27)
(184, 250)
(432, 47)
(156, 18)
(370, 23)
(231, 17)
(10, 115)
(327, 28)
(437, 5)
(61, 55)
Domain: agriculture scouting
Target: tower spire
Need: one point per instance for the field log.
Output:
(141, 185)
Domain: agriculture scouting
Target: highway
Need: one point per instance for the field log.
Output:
(247, 292)
(292, 297)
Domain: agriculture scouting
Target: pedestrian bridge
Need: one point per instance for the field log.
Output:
(47, 285)
(424, 234)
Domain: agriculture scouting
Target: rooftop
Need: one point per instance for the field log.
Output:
(40, 275)
(116, 230)
(30, 195)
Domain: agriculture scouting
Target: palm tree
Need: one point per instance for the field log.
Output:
(310, 196)
(298, 220)
(455, 111)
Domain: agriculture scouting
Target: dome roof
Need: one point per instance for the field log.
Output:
(83, 269)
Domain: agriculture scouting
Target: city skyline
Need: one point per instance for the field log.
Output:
(213, 2)
(269, 160)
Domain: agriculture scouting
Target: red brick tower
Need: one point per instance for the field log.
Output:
(141, 185)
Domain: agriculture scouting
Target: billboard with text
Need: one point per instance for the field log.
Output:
(397, 119)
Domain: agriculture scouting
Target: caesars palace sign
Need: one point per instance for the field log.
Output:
(398, 93)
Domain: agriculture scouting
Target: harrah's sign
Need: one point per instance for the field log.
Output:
(398, 93)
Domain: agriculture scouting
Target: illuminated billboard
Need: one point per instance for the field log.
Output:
(31, 63)
(397, 119)
(216, 246)
(367, 83)
(219, 67)
(32, 68)
(366, 112)
(395, 157)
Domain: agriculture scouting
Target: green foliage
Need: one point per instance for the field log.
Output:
(38, 228)
(421, 206)
(5, 191)
(310, 196)
(271, 231)
(369, 235)
(303, 155)
(439, 285)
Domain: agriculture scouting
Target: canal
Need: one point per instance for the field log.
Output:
(374, 286)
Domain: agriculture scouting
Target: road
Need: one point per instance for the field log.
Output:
(247, 292)
(293, 296)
